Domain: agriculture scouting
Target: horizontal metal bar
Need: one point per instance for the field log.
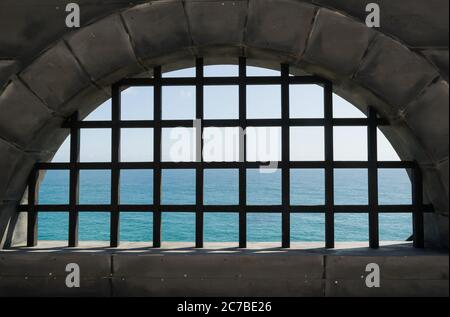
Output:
(294, 122)
(227, 208)
(218, 165)
(394, 164)
(222, 81)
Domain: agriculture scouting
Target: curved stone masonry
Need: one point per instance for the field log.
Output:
(366, 66)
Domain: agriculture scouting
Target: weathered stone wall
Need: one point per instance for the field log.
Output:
(48, 71)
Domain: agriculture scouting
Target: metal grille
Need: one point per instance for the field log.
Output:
(373, 208)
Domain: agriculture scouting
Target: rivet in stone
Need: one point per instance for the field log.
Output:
(50, 273)
(185, 275)
(336, 282)
(162, 280)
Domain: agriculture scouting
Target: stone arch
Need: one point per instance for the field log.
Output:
(366, 66)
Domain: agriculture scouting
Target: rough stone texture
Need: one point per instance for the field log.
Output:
(209, 19)
(282, 25)
(432, 178)
(12, 226)
(440, 59)
(416, 22)
(26, 37)
(428, 116)
(436, 231)
(337, 42)
(56, 76)
(390, 70)
(158, 28)
(7, 69)
(8, 159)
(104, 49)
(17, 183)
(442, 168)
(23, 114)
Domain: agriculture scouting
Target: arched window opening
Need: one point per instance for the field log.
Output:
(226, 153)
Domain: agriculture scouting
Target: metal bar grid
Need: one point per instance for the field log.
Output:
(199, 208)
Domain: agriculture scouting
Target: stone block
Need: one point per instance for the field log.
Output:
(417, 23)
(217, 23)
(22, 113)
(438, 57)
(8, 159)
(55, 76)
(434, 189)
(338, 42)
(442, 168)
(394, 72)
(436, 230)
(282, 25)
(158, 28)
(104, 49)
(21, 171)
(13, 230)
(428, 117)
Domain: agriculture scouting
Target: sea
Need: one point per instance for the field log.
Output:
(221, 187)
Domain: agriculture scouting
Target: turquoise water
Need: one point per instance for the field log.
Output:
(221, 188)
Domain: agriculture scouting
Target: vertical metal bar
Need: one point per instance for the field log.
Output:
(329, 171)
(285, 157)
(242, 153)
(199, 221)
(74, 182)
(157, 105)
(32, 226)
(115, 172)
(418, 218)
(373, 179)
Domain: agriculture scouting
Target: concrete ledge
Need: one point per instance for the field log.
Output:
(263, 269)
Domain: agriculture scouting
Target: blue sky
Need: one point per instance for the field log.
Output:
(221, 144)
